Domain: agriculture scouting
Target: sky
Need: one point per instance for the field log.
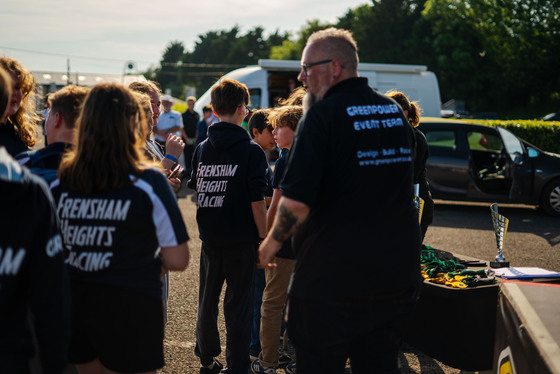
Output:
(101, 36)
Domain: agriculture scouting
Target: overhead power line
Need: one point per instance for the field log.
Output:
(176, 64)
(72, 56)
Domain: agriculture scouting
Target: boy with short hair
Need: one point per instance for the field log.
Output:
(284, 120)
(65, 105)
(229, 176)
(261, 133)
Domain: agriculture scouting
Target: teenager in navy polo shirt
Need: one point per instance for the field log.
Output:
(116, 211)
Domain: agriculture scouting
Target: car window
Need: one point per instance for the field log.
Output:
(484, 142)
(512, 144)
(442, 138)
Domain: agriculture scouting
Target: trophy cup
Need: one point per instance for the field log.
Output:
(418, 201)
(500, 228)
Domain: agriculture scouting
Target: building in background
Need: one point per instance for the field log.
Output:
(48, 82)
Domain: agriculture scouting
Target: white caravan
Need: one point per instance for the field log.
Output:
(268, 81)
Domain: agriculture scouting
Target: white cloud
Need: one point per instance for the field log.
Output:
(140, 30)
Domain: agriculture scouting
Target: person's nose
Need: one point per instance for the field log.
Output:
(302, 76)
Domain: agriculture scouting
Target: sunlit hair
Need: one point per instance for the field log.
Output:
(25, 119)
(5, 92)
(207, 108)
(68, 102)
(145, 87)
(413, 109)
(259, 121)
(295, 98)
(338, 44)
(228, 95)
(285, 116)
(146, 106)
(109, 145)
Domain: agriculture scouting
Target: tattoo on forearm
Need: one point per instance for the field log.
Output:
(287, 222)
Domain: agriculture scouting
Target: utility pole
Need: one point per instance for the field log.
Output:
(67, 71)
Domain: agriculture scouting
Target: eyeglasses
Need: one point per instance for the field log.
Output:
(245, 108)
(305, 67)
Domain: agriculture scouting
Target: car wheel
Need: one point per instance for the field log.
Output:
(550, 198)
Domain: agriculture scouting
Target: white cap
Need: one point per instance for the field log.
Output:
(167, 98)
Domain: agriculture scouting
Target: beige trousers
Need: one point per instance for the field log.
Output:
(273, 301)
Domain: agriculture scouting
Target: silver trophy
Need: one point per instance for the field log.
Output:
(500, 228)
(418, 202)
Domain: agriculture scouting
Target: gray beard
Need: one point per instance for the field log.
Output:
(308, 100)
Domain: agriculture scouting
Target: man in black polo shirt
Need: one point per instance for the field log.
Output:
(190, 120)
(348, 197)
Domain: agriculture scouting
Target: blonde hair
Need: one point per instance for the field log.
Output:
(109, 144)
(285, 116)
(338, 43)
(25, 119)
(412, 108)
(5, 92)
(295, 98)
(145, 87)
(145, 104)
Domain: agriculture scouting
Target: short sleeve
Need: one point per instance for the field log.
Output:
(166, 215)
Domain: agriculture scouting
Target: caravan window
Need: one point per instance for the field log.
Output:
(255, 98)
(279, 86)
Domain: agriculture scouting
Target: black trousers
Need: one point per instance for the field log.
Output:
(326, 333)
(236, 266)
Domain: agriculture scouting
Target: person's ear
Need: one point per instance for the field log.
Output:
(57, 119)
(336, 68)
(255, 132)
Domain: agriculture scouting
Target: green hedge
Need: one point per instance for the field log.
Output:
(543, 134)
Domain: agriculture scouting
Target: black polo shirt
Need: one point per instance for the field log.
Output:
(352, 164)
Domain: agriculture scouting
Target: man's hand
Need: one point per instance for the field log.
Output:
(291, 213)
(267, 250)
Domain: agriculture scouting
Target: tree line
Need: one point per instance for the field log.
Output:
(499, 56)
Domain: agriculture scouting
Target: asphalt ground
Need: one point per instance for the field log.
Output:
(532, 239)
(180, 332)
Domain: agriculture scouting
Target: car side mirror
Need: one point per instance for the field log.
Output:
(532, 153)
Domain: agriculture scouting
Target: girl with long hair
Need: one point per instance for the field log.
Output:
(116, 209)
(17, 131)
